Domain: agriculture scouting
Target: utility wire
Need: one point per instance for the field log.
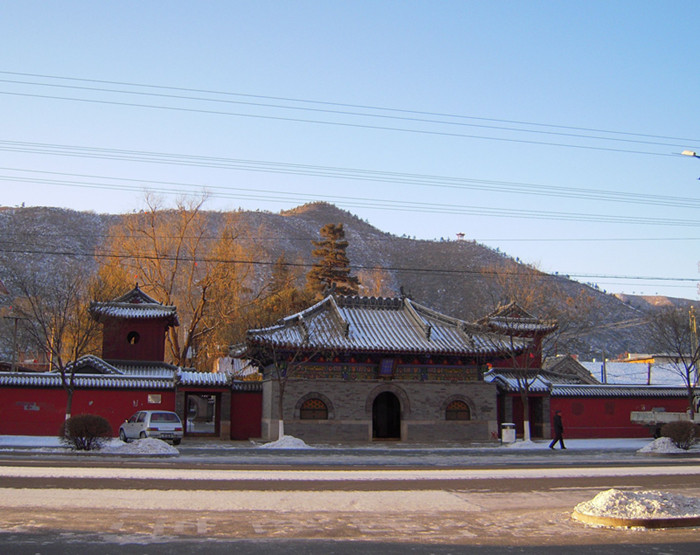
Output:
(345, 113)
(441, 271)
(339, 124)
(353, 106)
(419, 180)
(405, 206)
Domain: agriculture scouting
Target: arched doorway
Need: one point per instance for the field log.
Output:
(386, 416)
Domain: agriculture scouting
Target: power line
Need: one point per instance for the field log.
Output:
(442, 271)
(347, 105)
(339, 123)
(420, 180)
(402, 206)
(347, 113)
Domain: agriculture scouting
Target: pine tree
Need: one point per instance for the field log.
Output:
(332, 267)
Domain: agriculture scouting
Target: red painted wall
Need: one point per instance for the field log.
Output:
(150, 346)
(40, 412)
(591, 417)
(246, 414)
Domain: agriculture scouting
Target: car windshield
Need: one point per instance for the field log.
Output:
(164, 417)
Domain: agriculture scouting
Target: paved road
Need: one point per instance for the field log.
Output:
(156, 506)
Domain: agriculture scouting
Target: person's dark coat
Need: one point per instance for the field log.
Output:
(558, 426)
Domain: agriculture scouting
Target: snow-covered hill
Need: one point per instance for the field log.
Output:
(460, 278)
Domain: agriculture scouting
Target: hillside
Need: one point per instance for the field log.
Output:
(460, 278)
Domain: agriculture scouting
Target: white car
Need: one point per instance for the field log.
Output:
(159, 424)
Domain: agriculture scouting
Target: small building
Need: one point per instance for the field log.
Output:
(131, 375)
(366, 368)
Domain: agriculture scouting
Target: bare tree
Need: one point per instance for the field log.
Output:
(525, 335)
(52, 309)
(285, 348)
(676, 336)
(563, 313)
(176, 256)
(376, 282)
(284, 363)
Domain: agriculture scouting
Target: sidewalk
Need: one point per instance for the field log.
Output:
(597, 452)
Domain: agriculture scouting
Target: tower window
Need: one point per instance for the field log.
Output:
(133, 338)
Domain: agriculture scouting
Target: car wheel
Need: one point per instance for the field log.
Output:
(176, 441)
(142, 435)
(123, 437)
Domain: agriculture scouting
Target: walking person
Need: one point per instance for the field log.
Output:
(558, 431)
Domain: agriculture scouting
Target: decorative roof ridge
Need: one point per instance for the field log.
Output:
(292, 319)
(342, 322)
(134, 306)
(512, 314)
(421, 322)
(143, 363)
(95, 361)
(358, 301)
(512, 307)
(434, 314)
(136, 296)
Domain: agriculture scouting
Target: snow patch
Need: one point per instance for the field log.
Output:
(146, 446)
(661, 445)
(614, 503)
(523, 444)
(286, 442)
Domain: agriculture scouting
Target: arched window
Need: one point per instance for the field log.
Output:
(313, 409)
(133, 337)
(457, 410)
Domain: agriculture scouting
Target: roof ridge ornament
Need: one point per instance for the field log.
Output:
(338, 317)
(423, 324)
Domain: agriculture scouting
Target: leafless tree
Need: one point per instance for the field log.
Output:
(285, 359)
(176, 256)
(676, 336)
(52, 308)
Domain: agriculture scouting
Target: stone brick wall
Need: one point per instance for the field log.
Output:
(350, 409)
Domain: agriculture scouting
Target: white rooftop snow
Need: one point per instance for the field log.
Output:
(634, 373)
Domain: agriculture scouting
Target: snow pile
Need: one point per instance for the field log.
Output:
(286, 442)
(661, 445)
(523, 444)
(614, 503)
(147, 446)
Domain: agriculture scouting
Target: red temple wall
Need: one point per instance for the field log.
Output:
(40, 411)
(601, 417)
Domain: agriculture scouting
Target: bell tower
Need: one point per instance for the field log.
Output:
(134, 326)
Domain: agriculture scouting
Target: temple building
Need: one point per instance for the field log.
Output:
(366, 368)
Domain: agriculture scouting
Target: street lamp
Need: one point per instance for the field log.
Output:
(690, 153)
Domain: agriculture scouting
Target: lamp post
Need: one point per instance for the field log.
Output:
(690, 153)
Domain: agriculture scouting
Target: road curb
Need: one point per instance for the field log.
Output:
(677, 522)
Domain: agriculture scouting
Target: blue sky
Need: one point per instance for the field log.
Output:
(549, 130)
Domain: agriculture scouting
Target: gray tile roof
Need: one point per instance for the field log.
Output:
(134, 305)
(512, 318)
(391, 325)
(508, 380)
(203, 379)
(91, 364)
(575, 390)
(53, 379)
